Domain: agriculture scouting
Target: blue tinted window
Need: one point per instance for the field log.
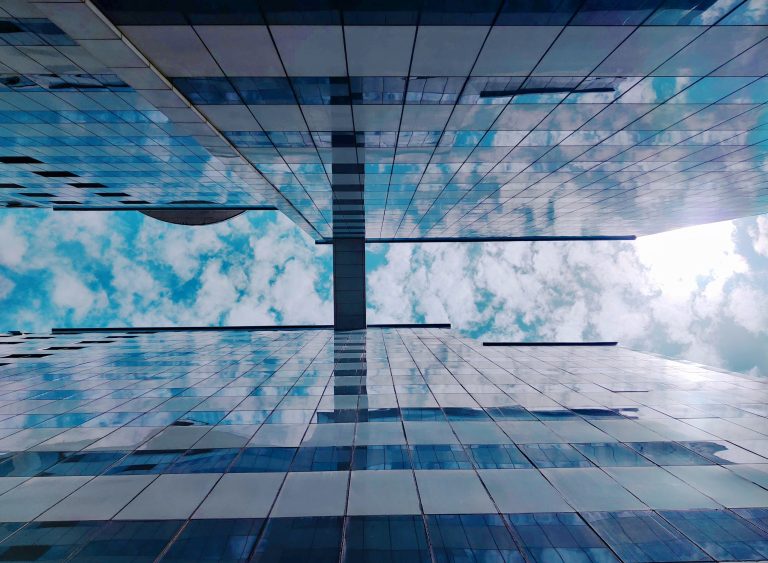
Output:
(69, 420)
(413, 414)
(321, 90)
(643, 536)
(475, 537)
(381, 457)
(204, 461)
(377, 89)
(379, 415)
(7, 528)
(145, 462)
(434, 90)
(509, 413)
(287, 139)
(559, 537)
(215, 540)
(200, 418)
(128, 541)
(335, 416)
(208, 91)
(505, 456)
(554, 455)
(275, 90)
(722, 534)
(87, 463)
(596, 413)
(322, 459)
(47, 541)
(386, 538)
(263, 460)
(448, 456)
(316, 539)
(758, 516)
(611, 454)
(28, 464)
(554, 414)
(461, 413)
(490, 89)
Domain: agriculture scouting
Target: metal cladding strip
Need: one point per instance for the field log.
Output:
(349, 232)
(85, 23)
(550, 343)
(493, 239)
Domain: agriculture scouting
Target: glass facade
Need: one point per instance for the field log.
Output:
(390, 444)
(454, 118)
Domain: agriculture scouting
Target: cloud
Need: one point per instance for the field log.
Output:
(748, 307)
(6, 287)
(759, 234)
(14, 247)
(700, 293)
(72, 295)
(122, 269)
(680, 293)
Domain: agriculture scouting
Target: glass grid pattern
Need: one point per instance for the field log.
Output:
(401, 444)
(471, 119)
(74, 134)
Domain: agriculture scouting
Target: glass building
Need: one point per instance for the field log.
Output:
(408, 119)
(392, 444)
(365, 121)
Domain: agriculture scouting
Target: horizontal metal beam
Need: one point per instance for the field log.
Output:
(167, 207)
(76, 330)
(489, 239)
(550, 343)
(411, 325)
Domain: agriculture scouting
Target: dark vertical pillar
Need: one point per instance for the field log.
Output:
(347, 184)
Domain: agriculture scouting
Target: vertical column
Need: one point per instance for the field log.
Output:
(347, 184)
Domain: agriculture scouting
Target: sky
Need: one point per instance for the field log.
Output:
(699, 294)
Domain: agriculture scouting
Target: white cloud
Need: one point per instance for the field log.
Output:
(13, 246)
(749, 308)
(72, 294)
(759, 234)
(6, 287)
(667, 292)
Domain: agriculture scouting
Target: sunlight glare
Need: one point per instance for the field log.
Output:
(677, 260)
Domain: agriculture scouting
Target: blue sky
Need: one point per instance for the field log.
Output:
(699, 294)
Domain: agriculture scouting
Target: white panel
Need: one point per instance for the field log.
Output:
(446, 50)
(279, 118)
(230, 117)
(514, 51)
(379, 50)
(175, 49)
(311, 50)
(580, 49)
(242, 50)
(377, 118)
(328, 118)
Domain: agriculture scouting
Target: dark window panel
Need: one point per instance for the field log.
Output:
(230, 540)
(386, 538)
(316, 539)
(471, 537)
